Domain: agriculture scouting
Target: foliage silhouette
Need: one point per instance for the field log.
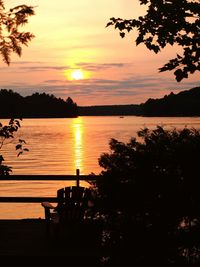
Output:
(8, 132)
(35, 106)
(185, 103)
(11, 41)
(149, 198)
(11, 38)
(167, 23)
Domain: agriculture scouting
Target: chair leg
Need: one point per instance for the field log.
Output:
(47, 221)
(47, 228)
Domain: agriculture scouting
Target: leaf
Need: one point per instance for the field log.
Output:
(179, 75)
(171, 40)
(109, 24)
(155, 48)
(19, 153)
(5, 51)
(18, 146)
(139, 39)
(1, 159)
(122, 34)
(178, 56)
(129, 29)
(22, 141)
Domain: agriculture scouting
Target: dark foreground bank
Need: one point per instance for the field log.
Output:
(28, 238)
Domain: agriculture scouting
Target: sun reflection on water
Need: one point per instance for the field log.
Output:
(78, 143)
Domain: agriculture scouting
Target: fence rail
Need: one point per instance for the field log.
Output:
(27, 199)
(14, 199)
(48, 177)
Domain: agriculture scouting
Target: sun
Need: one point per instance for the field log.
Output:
(74, 74)
(77, 75)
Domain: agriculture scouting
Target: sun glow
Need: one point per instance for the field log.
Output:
(77, 75)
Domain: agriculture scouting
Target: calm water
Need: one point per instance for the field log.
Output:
(60, 146)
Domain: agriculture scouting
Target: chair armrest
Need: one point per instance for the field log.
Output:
(47, 205)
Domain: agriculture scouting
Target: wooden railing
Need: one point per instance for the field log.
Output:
(76, 178)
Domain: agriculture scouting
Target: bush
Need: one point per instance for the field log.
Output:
(149, 195)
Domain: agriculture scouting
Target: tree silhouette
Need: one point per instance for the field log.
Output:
(168, 22)
(38, 105)
(11, 41)
(149, 198)
(11, 38)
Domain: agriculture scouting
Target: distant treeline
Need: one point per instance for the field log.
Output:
(185, 103)
(13, 105)
(111, 110)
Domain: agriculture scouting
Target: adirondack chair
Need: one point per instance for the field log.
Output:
(73, 202)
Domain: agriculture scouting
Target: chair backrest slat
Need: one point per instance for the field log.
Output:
(72, 203)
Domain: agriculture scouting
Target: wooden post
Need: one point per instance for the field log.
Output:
(77, 177)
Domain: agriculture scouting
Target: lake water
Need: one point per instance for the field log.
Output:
(60, 146)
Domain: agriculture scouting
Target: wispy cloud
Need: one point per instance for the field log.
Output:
(103, 66)
(43, 68)
(28, 66)
(26, 62)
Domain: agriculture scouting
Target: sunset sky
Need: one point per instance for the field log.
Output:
(71, 36)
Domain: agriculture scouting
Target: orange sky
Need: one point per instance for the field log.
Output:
(71, 35)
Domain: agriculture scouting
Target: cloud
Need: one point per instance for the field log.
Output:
(39, 66)
(53, 81)
(26, 62)
(43, 68)
(103, 66)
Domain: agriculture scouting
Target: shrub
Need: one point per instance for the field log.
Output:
(149, 195)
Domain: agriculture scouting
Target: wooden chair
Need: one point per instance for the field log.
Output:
(73, 202)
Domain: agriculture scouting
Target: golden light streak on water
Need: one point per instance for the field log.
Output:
(77, 126)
